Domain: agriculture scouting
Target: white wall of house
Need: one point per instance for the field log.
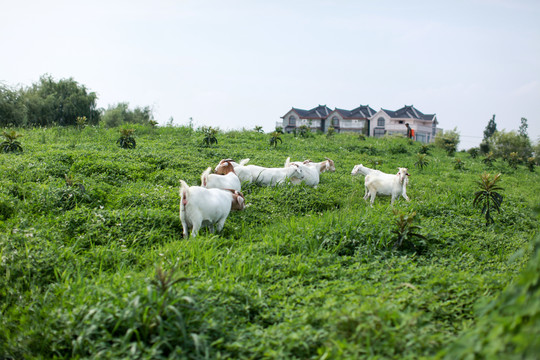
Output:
(423, 129)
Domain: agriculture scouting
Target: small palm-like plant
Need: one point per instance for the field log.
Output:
(258, 129)
(424, 149)
(489, 159)
(488, 197)
(405, 230)
(513, 160)
(209, 137)
(421, 161)
(531, 163)
(81, 122)
(10, 144)
(274, 138)
(459, 164)
(126, 140)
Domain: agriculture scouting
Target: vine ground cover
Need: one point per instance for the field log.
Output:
(91, 246)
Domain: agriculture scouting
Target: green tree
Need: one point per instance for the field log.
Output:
(59, 103)
(491, 128)
(523, 128)
(120, 114)
(12, 110)
(447, 140)
(504, 143)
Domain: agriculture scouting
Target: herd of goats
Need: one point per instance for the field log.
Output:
(209, 205)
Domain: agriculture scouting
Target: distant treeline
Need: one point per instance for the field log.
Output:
(61, 103)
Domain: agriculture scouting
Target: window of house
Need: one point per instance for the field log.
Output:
(292, 121)
(378, 132)
(335, 121)
(380, 122)
(434, 128)
(421, 137)
(400, 122)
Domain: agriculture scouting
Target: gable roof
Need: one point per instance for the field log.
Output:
(319, 112)
(409, 112)
(361, 112)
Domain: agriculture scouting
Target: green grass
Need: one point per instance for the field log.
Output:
(301, 273)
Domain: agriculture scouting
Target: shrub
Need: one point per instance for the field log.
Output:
(448, 141)
(513, 160)
(209, 135)
(459, 164)
(10, 144)
(421, 161)
(406, 233)
(274, 138)
(126, 140)
(505, 143)
(474, 152)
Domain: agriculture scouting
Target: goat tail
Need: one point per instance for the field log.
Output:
(204, 176)
(287, 161)
(184, 194)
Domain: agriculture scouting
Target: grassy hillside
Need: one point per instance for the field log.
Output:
(93, 263)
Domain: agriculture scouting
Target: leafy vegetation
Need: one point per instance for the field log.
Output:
(421, 161)
(275, 137)
(93, 263)
(10, 143)
(488, 197)
(209, 135)
(126, 140)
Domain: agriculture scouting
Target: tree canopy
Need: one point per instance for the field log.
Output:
(48, 102)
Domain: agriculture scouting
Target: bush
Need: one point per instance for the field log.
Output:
(447, 140)
(506, 143)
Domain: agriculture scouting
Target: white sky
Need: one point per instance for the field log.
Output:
(234, 64)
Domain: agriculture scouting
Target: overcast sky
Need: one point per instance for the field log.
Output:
(238, 64)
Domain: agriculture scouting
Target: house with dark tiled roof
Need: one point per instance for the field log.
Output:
(389, 122)
(315, 118)
(322, 117)
(355, 120)
(364, 120)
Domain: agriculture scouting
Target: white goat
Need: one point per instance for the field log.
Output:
(387, 184)
(227, 181)
(243, 172)
(364, 170)
(275, 176)
(206, 207)
(311, 172)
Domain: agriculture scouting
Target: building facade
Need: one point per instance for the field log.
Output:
(322, 117)
(364, 120)
(388, 122)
